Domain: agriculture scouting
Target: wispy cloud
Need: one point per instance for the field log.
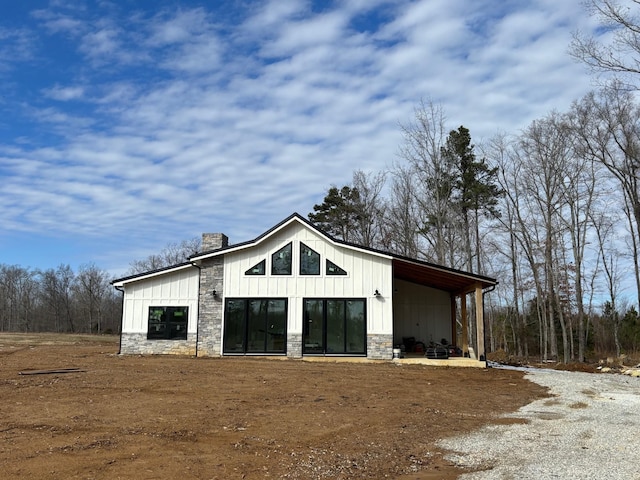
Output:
(64, 94)
(185, 119)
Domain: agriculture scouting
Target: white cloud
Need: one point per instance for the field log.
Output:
(181, 27)
(64, 93)
(16, 46)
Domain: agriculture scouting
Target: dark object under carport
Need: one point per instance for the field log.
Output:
(437, 352)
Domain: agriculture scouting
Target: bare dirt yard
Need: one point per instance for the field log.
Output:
(158, 417)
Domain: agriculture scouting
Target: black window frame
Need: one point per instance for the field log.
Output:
(303, 255)
(167, 327)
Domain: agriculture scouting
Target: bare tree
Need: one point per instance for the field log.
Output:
(401, 216)
(371, 208)
(617, 50)
(579, 193)
(90, 288)
(499, 149)
(607, 125)
(171, 254)
(605, 233)
(434, 181)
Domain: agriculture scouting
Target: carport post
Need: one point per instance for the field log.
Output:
(480, 323)
(454, 329)
(465, 332)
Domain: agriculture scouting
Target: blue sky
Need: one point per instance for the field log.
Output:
(126, 125)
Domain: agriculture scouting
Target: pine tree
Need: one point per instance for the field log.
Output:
(476, 192)
(339, 213)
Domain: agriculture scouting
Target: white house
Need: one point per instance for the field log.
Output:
(295, 291)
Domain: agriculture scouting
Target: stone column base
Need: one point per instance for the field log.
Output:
(380, 347)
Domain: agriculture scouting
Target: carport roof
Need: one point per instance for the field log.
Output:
(437, 276)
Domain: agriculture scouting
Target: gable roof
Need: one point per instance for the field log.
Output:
(293, 218)
(404, 268)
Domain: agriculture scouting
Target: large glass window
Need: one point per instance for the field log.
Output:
(254, 325)
(169, 323)
(281, 261)
(313, 326)
(309, 261)
(355, 326)
(234, 326)
(334, 326)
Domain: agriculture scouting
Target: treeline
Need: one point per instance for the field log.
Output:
(553, 211)
(58, 300)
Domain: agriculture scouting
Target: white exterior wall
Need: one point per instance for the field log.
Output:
(176, 289)
(421, 312)
(366, 273)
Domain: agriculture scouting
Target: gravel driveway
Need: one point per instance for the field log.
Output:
(590, 429)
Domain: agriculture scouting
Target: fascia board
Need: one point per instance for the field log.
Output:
(123, 282)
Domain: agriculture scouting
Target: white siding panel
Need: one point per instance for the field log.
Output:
(421, 312)
(175, 289)
(365, 274)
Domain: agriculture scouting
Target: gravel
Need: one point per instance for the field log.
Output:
(589, 429)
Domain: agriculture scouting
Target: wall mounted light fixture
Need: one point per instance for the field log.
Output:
(377, 293)
(214, 293)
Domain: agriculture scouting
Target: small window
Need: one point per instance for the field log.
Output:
(333, 269)
(281, 261)
(169, 323)
(309, 261)
(257, 269)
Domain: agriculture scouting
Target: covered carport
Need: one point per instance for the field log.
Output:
(427, 300)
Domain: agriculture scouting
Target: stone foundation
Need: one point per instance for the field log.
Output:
(137, 344)
(380, 347)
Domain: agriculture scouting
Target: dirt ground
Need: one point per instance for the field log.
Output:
(153, 417)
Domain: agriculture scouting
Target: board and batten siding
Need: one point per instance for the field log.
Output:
(176, 289)
(421, 312)
(366, 273)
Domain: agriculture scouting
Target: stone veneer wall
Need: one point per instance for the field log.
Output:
(380, 347)
(137, 344)
(210, 307)
(294, 345)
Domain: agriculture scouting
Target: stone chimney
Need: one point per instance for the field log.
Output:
(213, 241)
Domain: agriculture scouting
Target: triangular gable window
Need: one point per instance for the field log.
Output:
(257, 269)
(333, 269)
